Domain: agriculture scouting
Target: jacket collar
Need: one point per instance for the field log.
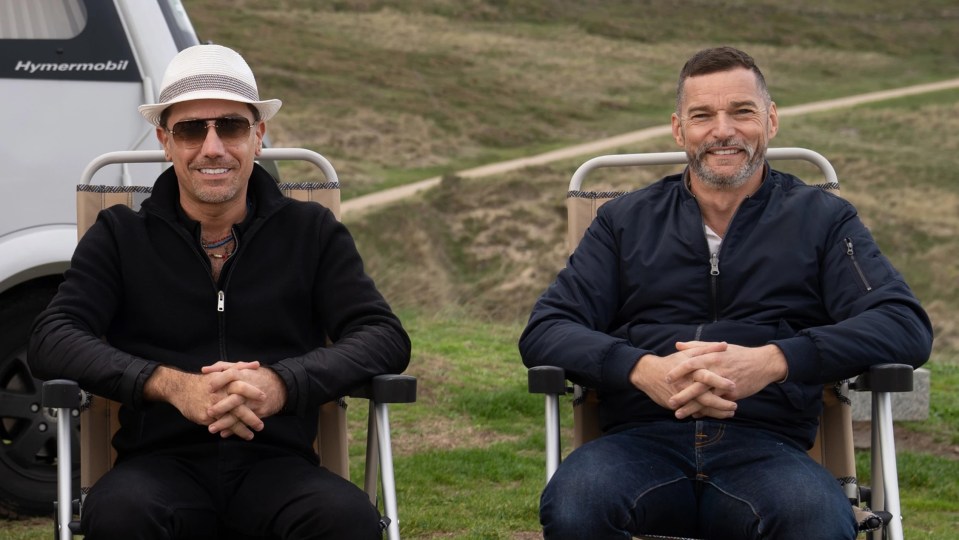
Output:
(763, 192)
(263, 197)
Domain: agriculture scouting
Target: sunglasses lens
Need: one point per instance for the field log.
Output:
(189, 132)
(232, 129)
(192, 133)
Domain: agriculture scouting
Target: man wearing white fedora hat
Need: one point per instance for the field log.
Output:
(207, 315)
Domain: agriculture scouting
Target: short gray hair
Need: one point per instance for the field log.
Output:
(718, 59)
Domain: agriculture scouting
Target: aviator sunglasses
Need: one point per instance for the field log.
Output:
(192, 133)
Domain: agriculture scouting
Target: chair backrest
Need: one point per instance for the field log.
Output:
(834, 442)
(98, 418)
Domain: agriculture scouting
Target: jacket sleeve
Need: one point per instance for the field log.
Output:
(66, 338)
(570, 324)
(366, 338)
(877, 317)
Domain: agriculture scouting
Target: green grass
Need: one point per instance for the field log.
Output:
(929, 494)
(943, 422)
(469, 454)
(485, 481)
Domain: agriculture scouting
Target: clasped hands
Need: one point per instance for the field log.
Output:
(705, 379)
(229, 398)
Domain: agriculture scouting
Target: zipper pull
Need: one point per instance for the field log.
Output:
(714, 264)
(220, 301)
(849, 250)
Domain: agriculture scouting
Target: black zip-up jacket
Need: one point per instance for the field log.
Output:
(141, 281)
(796, 268)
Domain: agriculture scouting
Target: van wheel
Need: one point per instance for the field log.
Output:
(28, 447)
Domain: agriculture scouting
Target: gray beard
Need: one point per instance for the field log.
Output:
(713, 179)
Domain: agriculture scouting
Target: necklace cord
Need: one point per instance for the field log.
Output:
(218, 243)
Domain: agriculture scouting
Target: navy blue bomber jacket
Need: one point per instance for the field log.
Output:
(796, 268)
(142, 281)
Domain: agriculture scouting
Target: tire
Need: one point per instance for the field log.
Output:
(28, 449)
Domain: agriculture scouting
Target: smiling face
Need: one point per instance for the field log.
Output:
(215, 172)
(725, 123)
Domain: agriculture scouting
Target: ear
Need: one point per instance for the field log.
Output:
(677, 126)
(164, 139)
(260, 132)
(773, 120)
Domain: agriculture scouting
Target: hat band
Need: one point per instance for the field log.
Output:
(196, 83)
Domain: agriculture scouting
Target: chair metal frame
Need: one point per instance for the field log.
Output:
(65, 398)
(882, 380)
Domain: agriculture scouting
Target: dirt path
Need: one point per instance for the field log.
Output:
(907, 441)
(605, 145)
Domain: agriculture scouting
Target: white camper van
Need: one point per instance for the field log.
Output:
(72, 73)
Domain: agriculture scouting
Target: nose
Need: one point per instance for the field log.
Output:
(212, 145)
(723, 125)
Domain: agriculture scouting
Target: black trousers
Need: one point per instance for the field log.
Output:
(231, 489)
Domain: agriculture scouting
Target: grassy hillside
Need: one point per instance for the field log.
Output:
(395, 91)
(494, 244)
(400, 90)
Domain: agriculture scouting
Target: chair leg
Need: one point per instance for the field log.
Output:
(552, 435)
(372, 455)
(877, 498)
(888, 489)
(386, 466)
(64, 475)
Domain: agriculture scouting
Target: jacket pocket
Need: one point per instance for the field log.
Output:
(850, 248)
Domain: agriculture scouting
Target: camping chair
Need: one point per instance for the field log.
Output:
(834, 442)
(98, 416)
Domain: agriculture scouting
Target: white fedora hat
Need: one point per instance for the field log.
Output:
(208, 72)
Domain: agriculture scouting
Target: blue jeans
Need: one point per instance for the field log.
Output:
(704, 479)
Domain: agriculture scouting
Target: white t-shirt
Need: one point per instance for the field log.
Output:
(713, 239)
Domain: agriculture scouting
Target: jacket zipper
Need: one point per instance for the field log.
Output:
(221, 296)
(221, 323)
(220, 293)
(714, 263)
(851, 253)
(714, 282)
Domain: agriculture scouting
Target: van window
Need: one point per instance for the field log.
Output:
(64, 39)
(180, 26)
(41, 19)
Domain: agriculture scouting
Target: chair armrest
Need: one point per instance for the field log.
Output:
(394, 389)
(388, 389)
(60, 394)
(547, 380)
(885, 378)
